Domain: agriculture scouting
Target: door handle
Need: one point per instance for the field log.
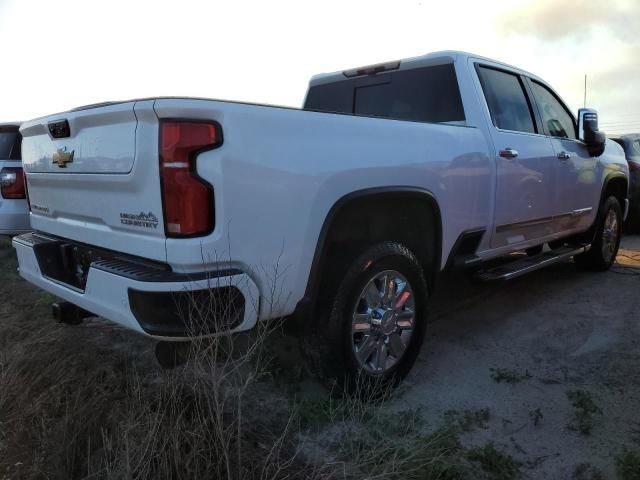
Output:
(564, 155)
(508, 153)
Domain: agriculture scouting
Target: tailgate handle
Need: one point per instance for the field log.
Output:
(59, 129)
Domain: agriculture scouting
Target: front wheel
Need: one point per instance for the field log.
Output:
(376, 325)
(606, 242)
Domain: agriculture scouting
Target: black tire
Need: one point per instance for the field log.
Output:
(330, 348)
(601, 256)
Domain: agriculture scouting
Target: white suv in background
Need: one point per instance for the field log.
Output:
(14, 208)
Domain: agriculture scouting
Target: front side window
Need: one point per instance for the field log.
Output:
(506, 99)
(556, 120)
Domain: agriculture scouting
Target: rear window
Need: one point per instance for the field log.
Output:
(428, 94)
(10, 143)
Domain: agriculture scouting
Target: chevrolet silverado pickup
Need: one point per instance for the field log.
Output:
(343, 214)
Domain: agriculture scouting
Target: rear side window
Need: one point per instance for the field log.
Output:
(507, 101)
(428, 94)
(556, 120)
(636, 147)
(10, 143)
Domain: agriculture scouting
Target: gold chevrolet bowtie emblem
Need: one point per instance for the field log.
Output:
(62, 157)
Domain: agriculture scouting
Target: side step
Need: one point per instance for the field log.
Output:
(517, 268)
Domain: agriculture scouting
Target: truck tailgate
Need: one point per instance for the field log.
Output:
(93, 177)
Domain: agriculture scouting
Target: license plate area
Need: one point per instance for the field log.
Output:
(66, 262)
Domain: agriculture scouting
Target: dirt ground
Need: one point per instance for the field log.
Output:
(553, 331)
(508, 356)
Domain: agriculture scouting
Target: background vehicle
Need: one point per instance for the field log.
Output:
(14, 209)
(631, 145)
(343, 215)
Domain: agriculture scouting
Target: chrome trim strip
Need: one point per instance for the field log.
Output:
(526, 223)
(581, 211)
(539, 221)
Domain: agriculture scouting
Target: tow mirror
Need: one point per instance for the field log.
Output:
(589, 133)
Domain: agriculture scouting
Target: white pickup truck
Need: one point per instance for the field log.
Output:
(343, 214)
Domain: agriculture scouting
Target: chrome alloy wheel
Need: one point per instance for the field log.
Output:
(383, 321)
(610, 233)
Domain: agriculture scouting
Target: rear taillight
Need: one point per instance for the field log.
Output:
(633, 166)
(12, 182)
(187, 198)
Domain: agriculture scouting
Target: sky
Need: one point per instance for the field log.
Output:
(61, 54)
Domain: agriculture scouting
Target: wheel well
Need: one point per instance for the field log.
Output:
(360, 220)
(618, 188)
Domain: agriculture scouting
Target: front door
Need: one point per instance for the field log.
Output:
(578, 178)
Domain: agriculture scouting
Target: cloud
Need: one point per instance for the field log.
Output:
(615, 92)
(550, 20)
(575, 37)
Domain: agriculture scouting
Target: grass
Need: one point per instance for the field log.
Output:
(90, 402)
(585, 410)
(628, 464)
(467, 420)
(78, 413)
(494, 463)
(506, 375)
(586, 471)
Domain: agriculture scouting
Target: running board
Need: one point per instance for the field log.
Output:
(524, 265)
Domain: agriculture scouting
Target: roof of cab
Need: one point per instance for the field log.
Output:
(435, 58)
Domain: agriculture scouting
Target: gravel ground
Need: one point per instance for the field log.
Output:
(553, 331)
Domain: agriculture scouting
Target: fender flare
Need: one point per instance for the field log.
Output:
(590, 233)
(316, 264)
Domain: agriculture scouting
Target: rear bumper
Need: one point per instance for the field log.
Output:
(165, 306)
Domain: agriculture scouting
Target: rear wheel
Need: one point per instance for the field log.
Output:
(606, 242)
(376, 323)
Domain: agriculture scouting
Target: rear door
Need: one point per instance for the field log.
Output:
(578, 180)
(525, 188)
(93, 177)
